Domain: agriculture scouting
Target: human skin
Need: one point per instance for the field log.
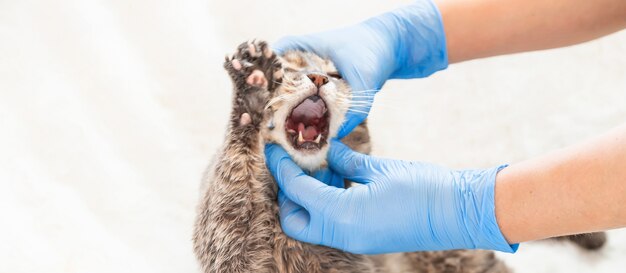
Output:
(578, 189)
(483, 28)
(581, 188)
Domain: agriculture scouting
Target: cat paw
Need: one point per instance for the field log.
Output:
(256, 72)
(255, 64)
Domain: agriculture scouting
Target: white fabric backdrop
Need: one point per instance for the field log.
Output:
(109, 111)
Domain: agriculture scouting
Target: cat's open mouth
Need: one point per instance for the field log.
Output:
(307, 125)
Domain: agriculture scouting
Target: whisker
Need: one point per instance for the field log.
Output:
(362, 104)
(363, 93)
(285, 83)
(277, 99)
(365, 90)
(367, 103)
(364, 100)
(358, 111)
(367, 107)
(357, 101)
(360, 97)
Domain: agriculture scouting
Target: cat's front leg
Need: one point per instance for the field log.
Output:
(236, 221)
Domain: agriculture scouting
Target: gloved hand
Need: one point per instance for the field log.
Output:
(403, 206)
(405, 43)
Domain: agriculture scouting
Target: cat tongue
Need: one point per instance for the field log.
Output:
(310, 133)
(309, 111)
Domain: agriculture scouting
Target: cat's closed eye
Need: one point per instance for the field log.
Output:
(335, 75)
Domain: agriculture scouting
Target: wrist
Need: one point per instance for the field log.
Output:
(478, 200)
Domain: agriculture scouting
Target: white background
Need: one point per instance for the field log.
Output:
(110, 110)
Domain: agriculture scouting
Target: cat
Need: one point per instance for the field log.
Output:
(297, 100)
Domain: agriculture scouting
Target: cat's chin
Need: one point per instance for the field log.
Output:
(310, 161)
(307, 159)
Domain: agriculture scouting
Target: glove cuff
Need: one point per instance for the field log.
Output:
(419, 38)
(480, 218)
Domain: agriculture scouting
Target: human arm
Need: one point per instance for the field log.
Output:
(483, 28)
(577, 189)
(411, 206)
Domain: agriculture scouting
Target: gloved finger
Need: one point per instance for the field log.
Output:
(361, 99)
(295, 184)
(350, 164)
(329, 177)
(294, 219)
(351, 121)
(287, 43)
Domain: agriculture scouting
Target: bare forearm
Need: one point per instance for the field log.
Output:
(483, 28)
(575, 190)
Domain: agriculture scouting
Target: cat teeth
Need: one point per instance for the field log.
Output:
(319, 137)
(300, 138)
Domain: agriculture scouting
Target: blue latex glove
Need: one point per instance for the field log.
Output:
(406, 43)
(403, 206)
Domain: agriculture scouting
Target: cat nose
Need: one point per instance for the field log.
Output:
(318, 79)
